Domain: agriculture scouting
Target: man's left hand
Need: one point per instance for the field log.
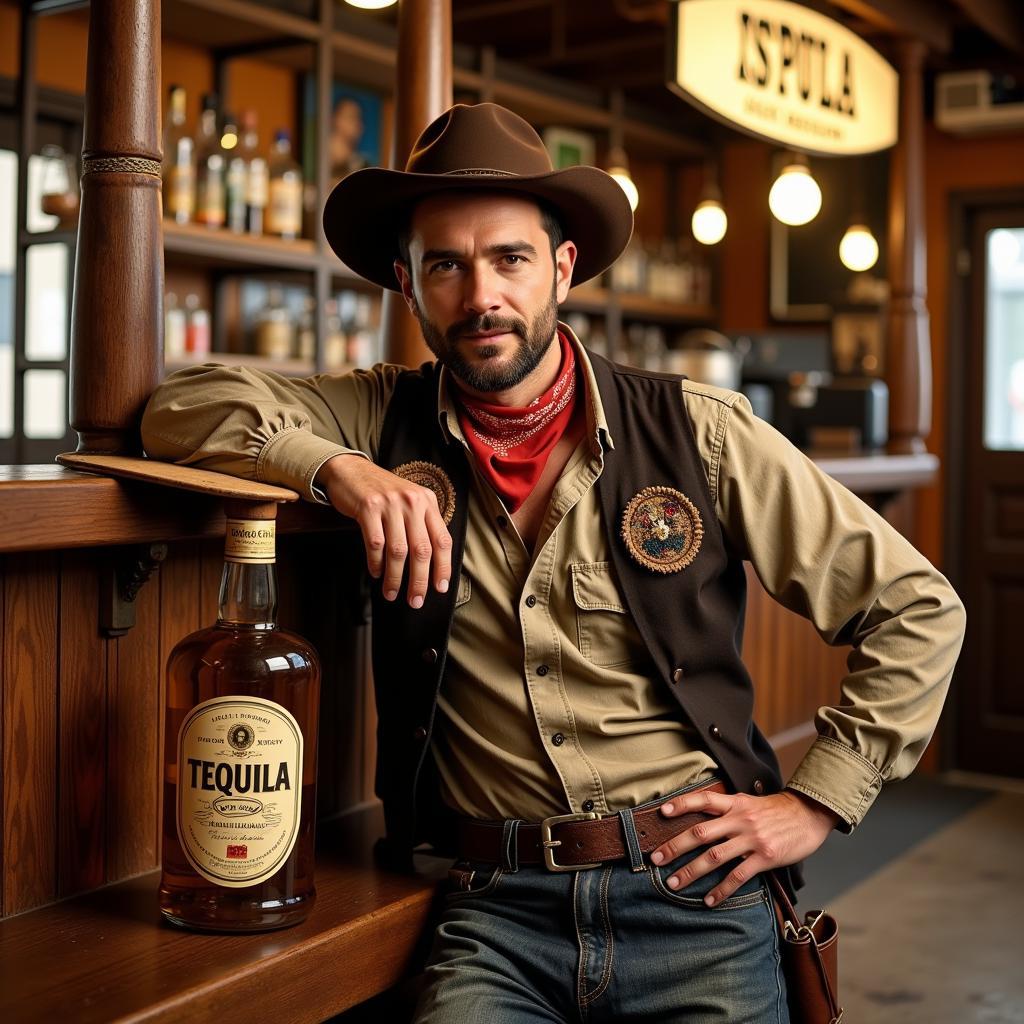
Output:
(765, 831)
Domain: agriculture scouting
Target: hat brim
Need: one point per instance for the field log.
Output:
(367, 209)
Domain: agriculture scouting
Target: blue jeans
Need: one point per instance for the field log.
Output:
(607, 944)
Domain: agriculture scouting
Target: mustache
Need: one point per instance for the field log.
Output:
(476, 324)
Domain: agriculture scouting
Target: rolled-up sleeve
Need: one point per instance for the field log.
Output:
(264, 426)
(822, 552)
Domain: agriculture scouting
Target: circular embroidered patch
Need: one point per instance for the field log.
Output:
(662, 529)
(426, 474)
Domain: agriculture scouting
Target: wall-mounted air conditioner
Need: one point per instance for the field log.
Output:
(971, 102)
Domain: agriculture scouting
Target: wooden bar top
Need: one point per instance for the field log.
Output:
(109, 956)
(52, 507)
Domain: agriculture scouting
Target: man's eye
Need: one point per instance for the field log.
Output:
(513, 259)
(443, 265)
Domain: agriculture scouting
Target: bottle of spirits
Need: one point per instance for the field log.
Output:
(197, 327)
(211, 206)
(175, 328)
(284, 214)
(257, 180)
(235, 174)
(179, 162)
(275, 331)
(240, 753)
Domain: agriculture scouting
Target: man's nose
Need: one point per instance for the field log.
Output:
(481, 291)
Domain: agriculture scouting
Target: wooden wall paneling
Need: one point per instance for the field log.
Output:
(29, 658)
(134, 723)
(211, 565)
(82, 728)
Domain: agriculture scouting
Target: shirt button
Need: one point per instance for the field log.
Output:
(677, 676)
(558, 739)
(716, 733)
(588, 806)
(429, 656)
(542, 670)
(502, 521)
(758, 786)
(531, 601)
(419, 733)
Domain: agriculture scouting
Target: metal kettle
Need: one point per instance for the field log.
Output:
(709, 357)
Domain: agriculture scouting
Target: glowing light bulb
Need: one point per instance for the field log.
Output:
(621, 175)
(858, 250)
(795, 198)
(709, 222)
(371, 5)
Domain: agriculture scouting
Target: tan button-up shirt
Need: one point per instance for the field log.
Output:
(549, 699)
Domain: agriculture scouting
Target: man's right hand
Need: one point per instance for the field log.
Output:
(397, 518)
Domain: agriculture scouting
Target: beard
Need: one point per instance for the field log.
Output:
(480, 374)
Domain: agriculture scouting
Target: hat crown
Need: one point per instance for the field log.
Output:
(479, 138)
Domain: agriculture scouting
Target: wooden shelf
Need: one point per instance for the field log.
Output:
(286, 367)
(593, 299)
(224, 249)
(110, 957)
(233, 23)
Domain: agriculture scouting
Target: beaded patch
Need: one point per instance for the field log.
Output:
(662, 529)
(426, 474)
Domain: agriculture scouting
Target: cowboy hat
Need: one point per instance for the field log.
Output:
(472, 148)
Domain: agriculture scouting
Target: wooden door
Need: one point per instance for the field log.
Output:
(990, 533)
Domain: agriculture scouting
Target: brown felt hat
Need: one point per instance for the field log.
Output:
(474, 148)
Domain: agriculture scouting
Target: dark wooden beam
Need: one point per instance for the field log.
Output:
(497, 9)
(600, 51)
(1001, 19)
(918, 19)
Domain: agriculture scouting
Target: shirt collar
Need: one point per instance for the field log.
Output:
(597, 424)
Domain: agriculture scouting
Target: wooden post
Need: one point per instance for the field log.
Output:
(116, 327)
(908, 355)
(423, 91)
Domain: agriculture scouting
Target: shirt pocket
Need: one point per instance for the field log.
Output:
(465, 591)
(605, 631)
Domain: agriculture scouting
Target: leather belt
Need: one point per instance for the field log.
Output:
(573, 842)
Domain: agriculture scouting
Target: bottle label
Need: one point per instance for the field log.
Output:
(239, 788)
(180, 191)
(284, 215)
(250, 541)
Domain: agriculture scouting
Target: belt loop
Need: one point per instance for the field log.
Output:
(636, 857)
(510, 845)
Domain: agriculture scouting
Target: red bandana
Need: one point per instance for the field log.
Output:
(512, 446)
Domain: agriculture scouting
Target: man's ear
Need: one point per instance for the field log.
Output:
(565, 259)
(405, 281)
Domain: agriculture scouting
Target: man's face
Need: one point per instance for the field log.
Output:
(484, 286)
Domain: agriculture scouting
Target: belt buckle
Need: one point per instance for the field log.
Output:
(549, 844)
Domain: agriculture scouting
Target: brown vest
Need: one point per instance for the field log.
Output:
(695, 649)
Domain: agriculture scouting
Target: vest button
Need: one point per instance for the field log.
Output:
(558, 739)
(716, 733)
(429, 656)
(531, 601)
(758, 786)
(677, 676)
(542, 670)
(588, 806)
(419, 733)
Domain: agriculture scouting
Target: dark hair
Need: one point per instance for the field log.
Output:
(548, 219)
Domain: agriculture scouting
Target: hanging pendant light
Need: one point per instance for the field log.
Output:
(371, 5)
(795, 197)
(859, 249)
(709, 222)
(618, 168)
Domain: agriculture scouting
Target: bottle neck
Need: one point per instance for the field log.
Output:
(248, 595)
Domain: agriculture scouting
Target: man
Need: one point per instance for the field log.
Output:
(559, 545)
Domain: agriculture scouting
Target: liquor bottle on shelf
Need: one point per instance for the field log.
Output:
(284, 212)
(275, 332)
(235, 175)
(305, 339)
(210, 168)
(179, 170)
(175, 327)
(257, 179)
(335, 341)
(197, 327)
(240, 752)
(362, 339)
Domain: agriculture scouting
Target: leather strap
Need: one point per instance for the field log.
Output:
(580, 842)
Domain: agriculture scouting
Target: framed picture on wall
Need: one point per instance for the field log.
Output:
(354, 130)
(568, 148)
(807, 280)
(858, 341)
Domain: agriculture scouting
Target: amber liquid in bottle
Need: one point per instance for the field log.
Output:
(239, 809)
